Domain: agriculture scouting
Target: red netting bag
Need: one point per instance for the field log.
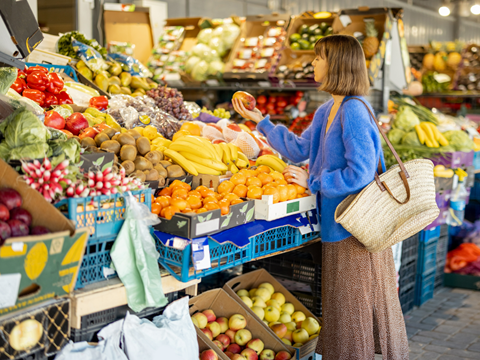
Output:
(247, 144)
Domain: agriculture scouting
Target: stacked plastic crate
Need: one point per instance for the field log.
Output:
(442, 248)
(408, 272)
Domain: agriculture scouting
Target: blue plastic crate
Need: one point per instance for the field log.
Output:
(68, 70)
(427, 258)
(424, 288)
(179, 262)
(103, 215)
(273, 240)
(302, 239)
(476, 160)
(96, 257)
(430, 235)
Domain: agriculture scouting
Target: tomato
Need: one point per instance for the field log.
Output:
(99, 102)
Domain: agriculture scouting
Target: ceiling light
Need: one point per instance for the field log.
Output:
(475, 9)
(445, 8)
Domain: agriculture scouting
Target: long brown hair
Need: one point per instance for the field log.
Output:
(346, 69)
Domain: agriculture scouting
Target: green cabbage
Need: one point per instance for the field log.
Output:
(200, 71)
(217, 44)
(70, 147)
(459, 140)
(216, 67)
(229, 34)
(406, 119)
(31, 152)
(204, 35)
(22, 128)
(411, 139)
(4, 151)
(191, 62)
(8, 75)
(395, 136)
(201, 50)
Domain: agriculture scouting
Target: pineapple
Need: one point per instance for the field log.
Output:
(370, 43)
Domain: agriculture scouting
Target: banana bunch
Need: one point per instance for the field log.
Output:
(429, 135)
(272, 162)
(197, 155)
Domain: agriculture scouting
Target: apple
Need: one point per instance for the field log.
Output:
(258, 301)
(215, 126)
(274, 303)
(231, 334)
(311, 325)
(272, 314)
(291, 325)
(208, 355)
(218, 141)
(234, 127)
(247, 301)
(234, 348)
(300, 336)
(273, 323)
(279, 297)
(288, 308)
(287, 342)
(238, 357)
(298, 316)
(242, 292)
(267, 354)
(237, 322)
(247, 99)
(243, 336)
(223, 322)
(266, 322)
(219, 344)
(312, 337)
(280, 330)
(201, 320)
(257, 345)
(285, 318)
(214, 328)
(195, 322)
(297, 345)
(249, 354)
(299, 324)
(267, 286)
(224, 339)
(210, 315)
(251, 292)
(208, 333)
(263, 293)
(283, 355)
(288, 335)
(259, 312)
(229, 354)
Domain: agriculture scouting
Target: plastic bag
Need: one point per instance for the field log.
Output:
(462, 256)
(90, 56)
(212, 133)
(170, 336)
(229, 134)
(247, 144)
(135, 67)
(135, 257)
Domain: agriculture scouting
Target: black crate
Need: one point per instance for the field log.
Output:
(407, 299)
(410, 249)
(439, 277)
(442, 249)
(444, 230)
(407, 275)
(312, 303)
(93, 323)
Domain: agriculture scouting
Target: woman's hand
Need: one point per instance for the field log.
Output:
(297, 175)
(255, 115)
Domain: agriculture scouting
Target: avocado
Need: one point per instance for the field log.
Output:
(303, 29)
(312, 39)
(329, 31)
(304, 44)
(312, 29)
(295, 37)
(317, 32)
(295, 46)
(324, 26)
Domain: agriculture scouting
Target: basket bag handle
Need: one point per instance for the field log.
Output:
(403, 172)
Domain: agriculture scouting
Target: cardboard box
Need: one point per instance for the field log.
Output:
(37, 268)
(100, 160)
(225, 306)
(294, 59)
(46, 57)
(50, 319)
(202, 346)
(132, 27)
(265, 209)
(250, 281)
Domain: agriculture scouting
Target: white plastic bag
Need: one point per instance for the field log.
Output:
(171, 336)
(135, 257)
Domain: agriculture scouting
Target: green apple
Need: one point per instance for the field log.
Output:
(291, 325)
(247, 301)
(288, 308)
(242, 292)
(266, 322)
(297, 345)
(279, 297)
(259, 312)
(195, 322)
(263, 293)
(201, 320)
(268, 286)
(274, 303)
(258, 301)
(311, 325)
(251, 292)
(300, 336)
(237, 322)
(285, 318)
(287, 342)
(298, 316)
(272, 314)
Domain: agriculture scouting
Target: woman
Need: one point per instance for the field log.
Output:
(361, 310)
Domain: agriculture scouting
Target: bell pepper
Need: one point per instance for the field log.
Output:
(35, 95)
(56, 83)
(50, 99)
(37, 80)
(99, 102)
(32, 69)
(19, 85)
(64, 98)
(21, 74)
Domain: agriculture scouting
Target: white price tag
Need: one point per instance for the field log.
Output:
(9, 284)
(264, 83)
(17, 246)
(108, 271)
(212, 82)
(207, 226)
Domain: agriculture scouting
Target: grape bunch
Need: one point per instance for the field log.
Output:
(171, 101)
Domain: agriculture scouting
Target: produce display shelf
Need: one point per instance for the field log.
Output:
(251, 87)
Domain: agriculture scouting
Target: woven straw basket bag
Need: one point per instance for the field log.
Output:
(396, 205)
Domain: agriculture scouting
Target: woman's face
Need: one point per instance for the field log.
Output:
(320, 66)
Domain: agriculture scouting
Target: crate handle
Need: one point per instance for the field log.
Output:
(235, 285)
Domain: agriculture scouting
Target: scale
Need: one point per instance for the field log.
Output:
(19, 33)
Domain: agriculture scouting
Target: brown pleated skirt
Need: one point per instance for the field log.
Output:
(361, 310)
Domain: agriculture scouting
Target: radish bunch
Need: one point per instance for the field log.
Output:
(41, 177)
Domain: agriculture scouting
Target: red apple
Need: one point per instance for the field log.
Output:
(22, 215)
(215, 126)
(75, 123)
(39, 230)
(234, 348)
(267, 354)
(256, 345)
(229, 354)
(5, 232)
(208, 355)
(223, 322)
(249, 354)
(283, 355)
(19, 228)
(210, 315)
(54, 120)
(231, 334)
(208, 333)
(224, 339)
(10, 198)
(218, 141)
(4, 213)
(247, 99)
(219, 344)
(262, 99)
(272, 99)
(265, 151)
(238, 357)
(235, 127)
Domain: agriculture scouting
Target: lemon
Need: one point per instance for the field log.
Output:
(139, 130)
(150, 132)
(36, 260)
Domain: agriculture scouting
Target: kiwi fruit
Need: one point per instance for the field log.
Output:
(140, 175)
(101, 138)
(133, 133)
(110, 132)
(115, 159)
(160, 154)
(115, 137)
(142, 164)
(165, 163)
(161, 181)
(161, 170)
(129, 167)
(175, 171)
(143, 145)
(153, 157)
(111, 146)
(92, 148)
(88, 141)
(126, 139)
(151, 175)
(128, 152)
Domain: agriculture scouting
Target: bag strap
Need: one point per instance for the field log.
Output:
(403, 171)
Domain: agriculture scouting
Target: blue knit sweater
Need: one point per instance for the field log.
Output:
(342, 162)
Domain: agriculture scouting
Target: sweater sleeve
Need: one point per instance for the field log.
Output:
(362, 152)
(293, 147)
